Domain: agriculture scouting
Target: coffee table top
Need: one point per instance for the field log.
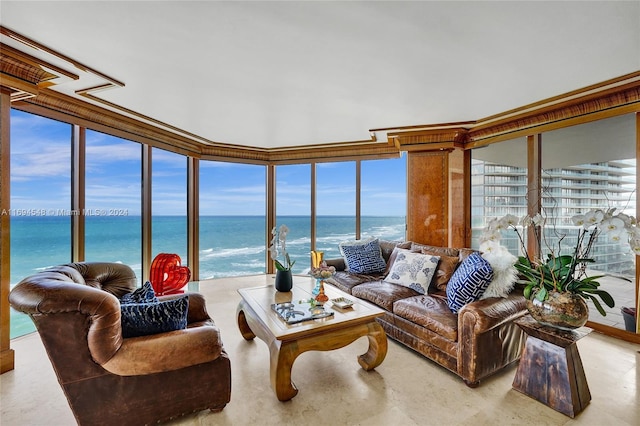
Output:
(261, 298)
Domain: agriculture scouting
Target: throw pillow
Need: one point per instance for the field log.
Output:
(363, 258)
(143, 319)
(413, 270)
(446, 267)
(505, 273)
(468, 282)
(144, 294)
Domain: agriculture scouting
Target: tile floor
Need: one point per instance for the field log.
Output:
(406, 389)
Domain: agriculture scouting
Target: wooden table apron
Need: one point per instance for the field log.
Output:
(284, 350)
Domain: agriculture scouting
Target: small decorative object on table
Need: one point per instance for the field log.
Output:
(321, 273)
(564, 274)
(284, 278)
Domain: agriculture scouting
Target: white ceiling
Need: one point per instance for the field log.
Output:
(270, 74)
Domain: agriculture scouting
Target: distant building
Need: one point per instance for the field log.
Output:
(498, 189)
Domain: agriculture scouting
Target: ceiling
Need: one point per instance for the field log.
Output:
(276, 74)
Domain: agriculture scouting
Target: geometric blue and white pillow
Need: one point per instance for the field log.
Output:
(143, 319)
(468, 282)
(144, 294)
(413, 270)
(363, 257)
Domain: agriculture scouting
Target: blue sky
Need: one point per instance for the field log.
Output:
(41, 170)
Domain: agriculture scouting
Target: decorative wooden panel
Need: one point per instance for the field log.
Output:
(427, 195)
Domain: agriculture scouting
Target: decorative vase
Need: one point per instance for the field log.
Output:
(321, 297)
(284, 281)
(563, 310)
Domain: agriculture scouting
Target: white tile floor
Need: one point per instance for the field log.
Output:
(406, 389)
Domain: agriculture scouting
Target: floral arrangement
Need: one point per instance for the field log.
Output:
(564, 273)
(279, 246)
(322, 271)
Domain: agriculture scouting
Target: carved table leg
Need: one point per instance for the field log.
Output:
(377, 348)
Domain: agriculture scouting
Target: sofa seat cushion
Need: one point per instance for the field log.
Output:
(345, 281)
(382, 293)
(431, 312)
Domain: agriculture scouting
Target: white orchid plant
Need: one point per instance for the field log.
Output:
(279, 247)
(565, 273)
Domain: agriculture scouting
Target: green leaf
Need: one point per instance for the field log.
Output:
(542, 294)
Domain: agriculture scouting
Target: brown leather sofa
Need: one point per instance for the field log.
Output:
(480, 340)
(106, 378)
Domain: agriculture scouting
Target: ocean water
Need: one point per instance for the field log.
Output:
(229, 245)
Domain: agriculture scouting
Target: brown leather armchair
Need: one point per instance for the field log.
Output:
(106, 378)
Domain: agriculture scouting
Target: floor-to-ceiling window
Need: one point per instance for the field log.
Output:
(169, 204)
(232, 219)
(498, 187)
(293, 209)
(585, 167)
(40, 200)
(113, 200)
(335, 206)
(383, 198)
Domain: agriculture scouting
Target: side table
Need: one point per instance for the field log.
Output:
(550, 368)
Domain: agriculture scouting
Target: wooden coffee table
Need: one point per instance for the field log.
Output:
(286, 342)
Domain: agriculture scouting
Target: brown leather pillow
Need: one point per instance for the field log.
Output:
(446, 268)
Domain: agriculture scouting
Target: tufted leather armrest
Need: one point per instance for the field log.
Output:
(54, 292)
(486, 314)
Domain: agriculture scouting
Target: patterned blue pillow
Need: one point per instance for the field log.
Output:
(363, 258)
(468, 282)
(142, 319)
(144, 294)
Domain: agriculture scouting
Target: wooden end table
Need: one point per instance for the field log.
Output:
(550, 368)
(286, 342)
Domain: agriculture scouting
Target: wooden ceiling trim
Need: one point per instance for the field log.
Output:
(592, 100)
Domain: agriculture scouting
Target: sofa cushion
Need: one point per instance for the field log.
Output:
(438, 251)
(363, 256)
(345, 281)
(144, 294)
(142, 319)
(446, 267)
(387, 247)
(413, 270)
(431, 312)
(468, 282)
(382, 293)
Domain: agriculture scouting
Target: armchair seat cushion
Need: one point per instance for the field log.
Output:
(166, 352)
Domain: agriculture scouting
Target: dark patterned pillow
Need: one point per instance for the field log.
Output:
(142, 319)
(468, 282)
(144, 294)
(363, 257)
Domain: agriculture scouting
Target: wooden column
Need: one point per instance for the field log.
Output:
(78, 168)
(7, 356)
(146, 213)
(436, 198)
(193, 217)
(534, 190)
(270, 213)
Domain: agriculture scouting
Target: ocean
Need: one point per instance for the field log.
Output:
(229, 245)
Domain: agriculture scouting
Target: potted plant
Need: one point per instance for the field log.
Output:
(556, 287)
(284, 278)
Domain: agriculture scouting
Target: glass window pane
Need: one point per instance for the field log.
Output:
(383, 196)
(335, 206)
(498, 187)
(232, 219)
(113, 200)
(293, 207)
(585, 167)
(169, 204)
(40, 200)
